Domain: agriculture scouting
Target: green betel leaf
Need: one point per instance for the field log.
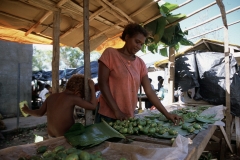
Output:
(166, 8)
(170, 6)
(161, 23)
(185, 42)
(173, 18)
(153, 48)
(143, 49)
(163, 52)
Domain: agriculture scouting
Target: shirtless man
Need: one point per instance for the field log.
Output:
(60, 106)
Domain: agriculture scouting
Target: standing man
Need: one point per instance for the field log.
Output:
(43, 93)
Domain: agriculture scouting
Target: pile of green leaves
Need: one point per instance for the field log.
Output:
(166, 30)
(157, 125)
(88, 136)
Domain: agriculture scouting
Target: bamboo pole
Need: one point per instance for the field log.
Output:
(201, 9)
(87, 72)
(171, 74)
(227, 69)
(56, 51)
(214, 30)
(211, 19)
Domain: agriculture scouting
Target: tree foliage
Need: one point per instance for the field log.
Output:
(69, 58)
(41, 60)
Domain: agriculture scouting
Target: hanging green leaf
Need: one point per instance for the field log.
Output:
(163, 52)
(173, 18)
(166, 8)
(153, 48)
(185, 42)
(144, 48)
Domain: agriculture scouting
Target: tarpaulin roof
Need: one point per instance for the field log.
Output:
(65, 74)
(31, 21)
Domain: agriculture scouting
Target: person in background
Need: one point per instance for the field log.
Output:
(60, 106)
(120, 75)
(43, 93)
(150, 79)
(160, 83)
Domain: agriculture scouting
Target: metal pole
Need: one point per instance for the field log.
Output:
(18, 94)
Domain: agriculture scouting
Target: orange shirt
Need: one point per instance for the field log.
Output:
(124, 81)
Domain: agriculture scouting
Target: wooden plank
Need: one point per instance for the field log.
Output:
(171, 73)
(227, 69)
(87, 72)
(237, 125)
(56, 51)
(226, 138)
(199, 143)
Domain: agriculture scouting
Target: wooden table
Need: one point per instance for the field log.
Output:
(195, 149)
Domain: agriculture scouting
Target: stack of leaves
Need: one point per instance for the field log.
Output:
(88, 136)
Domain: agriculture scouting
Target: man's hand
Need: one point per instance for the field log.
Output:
(25, 109)
(174, 118)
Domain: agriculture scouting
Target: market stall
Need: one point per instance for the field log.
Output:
(140, 145)
(72, 26)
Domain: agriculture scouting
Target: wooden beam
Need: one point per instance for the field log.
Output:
(237, 129)
(171, 74)
(108, 9)
(143, 8)
(207, 45)
(119, 11)
(45, 16)
(200, 142)
(226, 138)
(92, 16)
(99, 34)
(56, 51)
(227, 69)
(211, 19)
(87, 72)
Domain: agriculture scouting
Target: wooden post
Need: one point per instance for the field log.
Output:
(227, 69)
(237, 124)
(171, 73)
(88, 113)
(56, 51)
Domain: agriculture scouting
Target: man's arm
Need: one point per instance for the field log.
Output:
(38, 112)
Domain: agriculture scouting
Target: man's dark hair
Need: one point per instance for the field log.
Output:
(47, 86)
(160, 77)
(133, 29)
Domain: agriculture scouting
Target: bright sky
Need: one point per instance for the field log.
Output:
(234, 34)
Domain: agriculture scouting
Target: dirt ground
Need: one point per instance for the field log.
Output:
(27, 136)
